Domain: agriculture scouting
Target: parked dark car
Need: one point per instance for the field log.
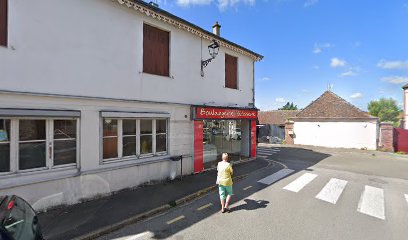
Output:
(18, 220)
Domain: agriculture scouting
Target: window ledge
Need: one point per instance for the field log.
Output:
(117, 164)
(157, 75)
(27, 178)
(236, 89)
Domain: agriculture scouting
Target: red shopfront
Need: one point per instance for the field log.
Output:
(218, 130)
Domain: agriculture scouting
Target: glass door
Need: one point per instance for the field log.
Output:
(221, 136)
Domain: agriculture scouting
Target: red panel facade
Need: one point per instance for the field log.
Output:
(198, 146)
(253, 139)
(401, 140)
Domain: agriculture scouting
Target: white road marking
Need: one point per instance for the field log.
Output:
(300, 182)
(143, 235)
(175, 220)
(204, 207)
(276, 176)
(266, 151)
(332, 190)
(372, 202)
(406, 197)
(247, 188)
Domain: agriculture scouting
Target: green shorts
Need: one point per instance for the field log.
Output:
(224, 191)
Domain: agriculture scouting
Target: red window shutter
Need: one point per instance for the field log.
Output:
(231, 72)
(3, 22)
(155, 51)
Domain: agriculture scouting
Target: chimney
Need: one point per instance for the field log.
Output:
(216, 28)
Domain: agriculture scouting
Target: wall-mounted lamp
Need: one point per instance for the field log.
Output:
(213, 49)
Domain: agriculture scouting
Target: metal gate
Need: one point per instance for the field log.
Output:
(270, 133)
(401, 140)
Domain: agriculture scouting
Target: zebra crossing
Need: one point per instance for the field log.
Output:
(300, 182)
(332, 190)
(265, 152)
(371, 202)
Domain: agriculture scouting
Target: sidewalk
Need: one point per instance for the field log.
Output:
(87, 220)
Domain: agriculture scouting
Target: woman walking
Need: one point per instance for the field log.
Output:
(224, 181)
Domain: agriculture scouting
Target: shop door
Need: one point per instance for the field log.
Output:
(221, 136)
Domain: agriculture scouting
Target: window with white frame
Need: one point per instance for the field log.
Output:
(133, 138)
(5, 145)
(28, 144)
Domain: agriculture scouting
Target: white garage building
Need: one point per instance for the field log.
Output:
(331, 121)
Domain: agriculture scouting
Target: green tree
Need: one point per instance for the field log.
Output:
(385, 109)
(289, 106)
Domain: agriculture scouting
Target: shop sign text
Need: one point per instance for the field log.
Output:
(221, 113)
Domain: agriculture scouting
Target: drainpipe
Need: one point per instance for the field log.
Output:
(253, 83)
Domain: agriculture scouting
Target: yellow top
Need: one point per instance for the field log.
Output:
(225, 172)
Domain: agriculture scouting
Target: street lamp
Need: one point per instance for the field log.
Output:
(213, 49)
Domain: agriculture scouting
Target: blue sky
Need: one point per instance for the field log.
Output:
(359, 47)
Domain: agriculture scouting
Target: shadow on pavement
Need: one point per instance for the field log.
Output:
(297, 159)
(250, 205)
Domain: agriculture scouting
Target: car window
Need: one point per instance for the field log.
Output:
(20, 222)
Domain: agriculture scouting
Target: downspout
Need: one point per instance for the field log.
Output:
(253, 83)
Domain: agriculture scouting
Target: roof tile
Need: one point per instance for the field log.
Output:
(277, 117)
(329, 105)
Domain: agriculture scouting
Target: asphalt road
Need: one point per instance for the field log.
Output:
(305, 194)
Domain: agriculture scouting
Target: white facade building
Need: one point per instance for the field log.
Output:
(330, 121)
(80, 116)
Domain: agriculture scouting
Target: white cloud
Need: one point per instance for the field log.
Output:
(280, 100)
(337, 62)
(317, 67)
(266, 79)
(395, 79)
(381, 91)
(357, 44)
(309, 3)
(222, 4)
(193, 2)
(318, 48)
(349, 73)
(356, 95)
(393, 64)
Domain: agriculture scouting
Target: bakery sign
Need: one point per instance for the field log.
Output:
(224, 113)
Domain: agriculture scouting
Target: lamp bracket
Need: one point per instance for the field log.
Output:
(204, 64)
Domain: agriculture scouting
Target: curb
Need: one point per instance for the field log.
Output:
(119, 225)
(111, 228)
